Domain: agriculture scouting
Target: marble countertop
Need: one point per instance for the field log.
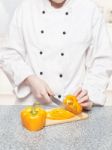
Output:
(95, 133)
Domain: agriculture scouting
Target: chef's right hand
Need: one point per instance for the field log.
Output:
(39, 88)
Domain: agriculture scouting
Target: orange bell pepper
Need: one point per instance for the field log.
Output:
(72, 105)
(59, 114)
(33, 118)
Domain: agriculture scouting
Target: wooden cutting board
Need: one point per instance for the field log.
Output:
(82, 116)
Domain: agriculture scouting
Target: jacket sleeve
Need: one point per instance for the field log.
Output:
(98, 60)
(13, 57)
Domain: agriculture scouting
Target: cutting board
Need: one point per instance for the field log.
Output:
(82, 116)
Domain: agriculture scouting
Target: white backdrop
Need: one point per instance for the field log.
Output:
(7, 8)
(4, 18)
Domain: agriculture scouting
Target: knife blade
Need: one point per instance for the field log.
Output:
(57, 101)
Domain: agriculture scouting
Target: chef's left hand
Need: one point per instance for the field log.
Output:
(83, 98)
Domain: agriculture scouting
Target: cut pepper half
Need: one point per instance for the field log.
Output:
(59, 114)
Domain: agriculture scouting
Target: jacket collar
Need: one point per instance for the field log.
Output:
(65, 7)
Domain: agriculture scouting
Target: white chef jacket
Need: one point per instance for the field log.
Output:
(67, 47)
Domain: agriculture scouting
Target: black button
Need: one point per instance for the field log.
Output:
(43, 12)
(61, 75)
(41, 52)
(59, 96)
(64, 32)
(41, 73)
(66, 13)
(42, 31)
(62, 54)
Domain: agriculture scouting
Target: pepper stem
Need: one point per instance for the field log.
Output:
(33, 111)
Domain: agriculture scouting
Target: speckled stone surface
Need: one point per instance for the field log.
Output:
(95, 133)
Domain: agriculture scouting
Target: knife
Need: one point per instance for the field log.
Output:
(57, 101)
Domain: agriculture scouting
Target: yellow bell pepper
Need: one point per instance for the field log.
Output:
(59, 114)
(72, 105)
(33, 118)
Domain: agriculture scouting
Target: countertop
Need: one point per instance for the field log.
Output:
(95, 133)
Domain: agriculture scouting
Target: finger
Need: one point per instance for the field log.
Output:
(87, 105)
(85, 98)
(77, 92)
(46, 98)
(38, 96)
(50, 92)
(82, 94)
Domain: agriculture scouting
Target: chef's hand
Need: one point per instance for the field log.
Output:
(39, 88)
(83, 99)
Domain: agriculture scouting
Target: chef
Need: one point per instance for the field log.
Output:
(58, 47)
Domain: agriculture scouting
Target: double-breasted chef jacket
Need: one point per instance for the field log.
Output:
(67, 47)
